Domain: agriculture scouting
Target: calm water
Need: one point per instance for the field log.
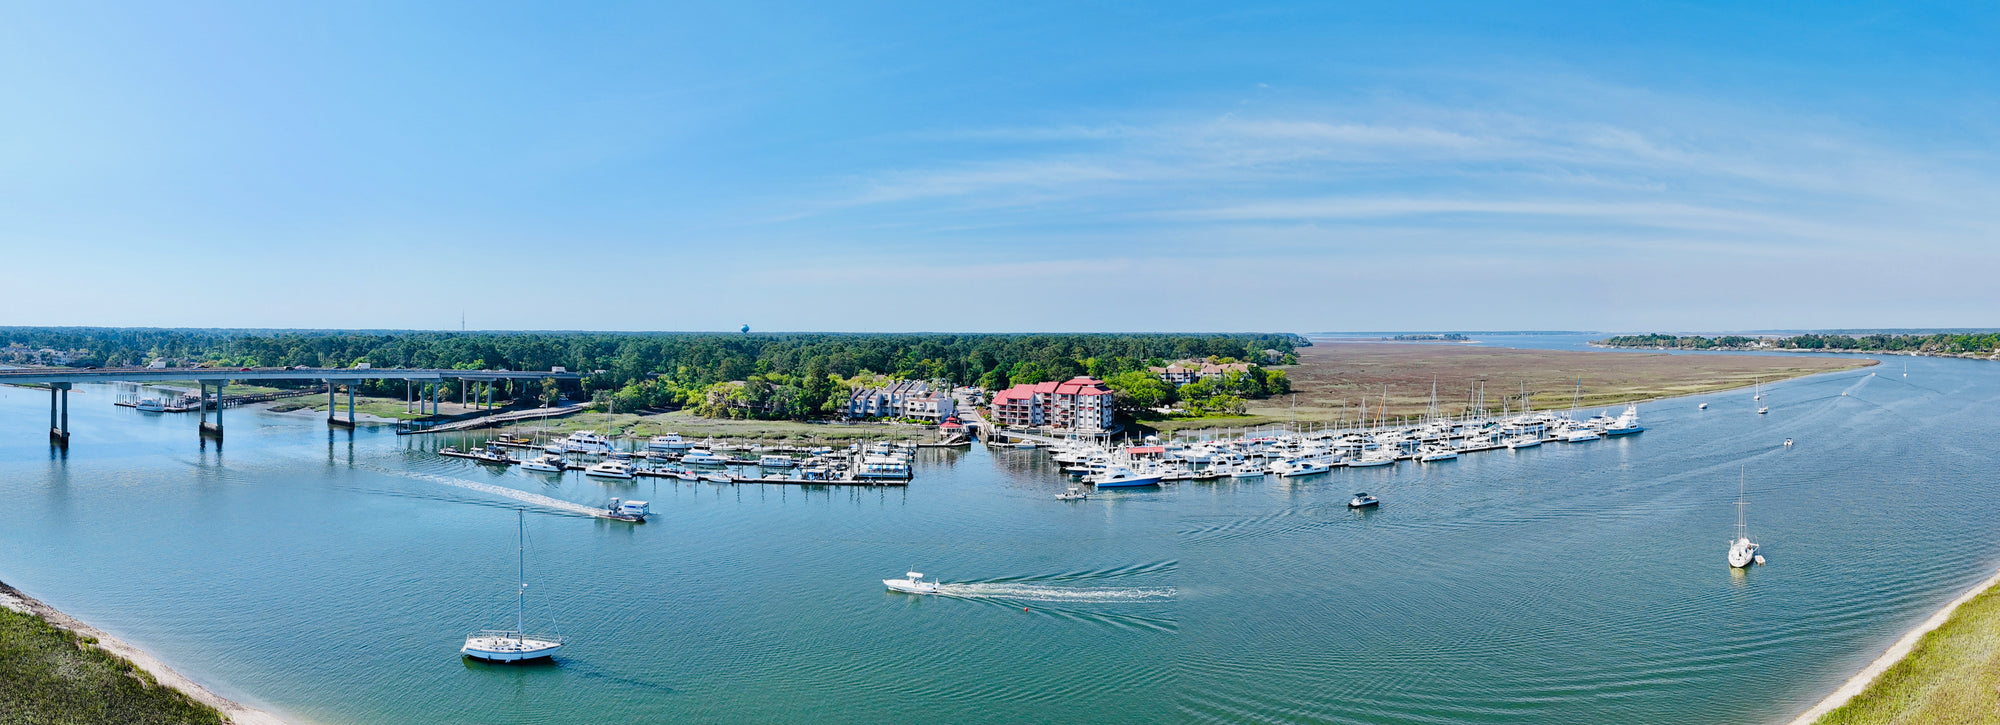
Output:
(331, 575)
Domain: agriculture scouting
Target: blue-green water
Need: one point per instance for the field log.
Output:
(331, 575)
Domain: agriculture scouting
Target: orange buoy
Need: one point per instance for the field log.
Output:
(1024, 609)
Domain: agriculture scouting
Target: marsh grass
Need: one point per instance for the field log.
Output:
(50, 676)
(1952, 675)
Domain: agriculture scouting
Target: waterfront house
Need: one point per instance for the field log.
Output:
(902, 399)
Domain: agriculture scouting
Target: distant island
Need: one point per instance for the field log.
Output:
(1446, 337)
(1982, 344)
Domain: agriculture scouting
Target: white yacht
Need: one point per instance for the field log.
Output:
(1377, 457)
(1523, 442)
(610, 469)
(914, 584)
(1742, 551)
(1123, 477)
(496, 645)
(547, 463)
(876, 467)
(1703, 406)
(1075, 493)
(583, 441)
(668, 442)
(1363, 500)
(1246, 471)
(772, 461)
(1308, 467)
(1434, 454)
(150, 405)
(1580, 434)
(717, 478)
(704, 458)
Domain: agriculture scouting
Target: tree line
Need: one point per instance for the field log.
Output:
(1938, 343)
(795, 375)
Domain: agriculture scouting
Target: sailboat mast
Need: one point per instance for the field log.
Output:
(521, 571)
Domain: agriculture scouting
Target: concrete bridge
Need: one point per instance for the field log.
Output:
(424, 384)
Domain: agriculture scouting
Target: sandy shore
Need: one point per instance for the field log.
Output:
(1896, 652)
(12, 598)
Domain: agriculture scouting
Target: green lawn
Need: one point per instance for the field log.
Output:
(1951, 676)
(54, 677)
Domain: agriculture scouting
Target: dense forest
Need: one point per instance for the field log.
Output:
(739, 375)
(1939, 343)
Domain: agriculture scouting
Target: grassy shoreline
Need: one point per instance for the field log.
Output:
(1946, 670)
(55, 669)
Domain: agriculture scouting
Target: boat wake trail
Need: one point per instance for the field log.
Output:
(522, 496)
(1039, 593)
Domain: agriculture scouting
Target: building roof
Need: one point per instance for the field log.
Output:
(1013, 394)
(1082, 385)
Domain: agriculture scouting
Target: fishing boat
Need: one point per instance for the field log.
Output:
(1075, 493)
(1742, 551)
(610, 469)
(633, 511)
(913, 584)
(515, 645)
(1627, 423)
(1123, 477)
(547, 463)
(1363, 500)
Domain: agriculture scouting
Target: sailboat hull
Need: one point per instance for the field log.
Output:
(504, 648)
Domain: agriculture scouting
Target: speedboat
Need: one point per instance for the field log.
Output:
(548, 462)
(1122, 477)
(914, 584)
(633, 511)
(1788, 442)
(1703, 406)
(610, 469)
(704, 458)
(1075, 493)
(1363, 500)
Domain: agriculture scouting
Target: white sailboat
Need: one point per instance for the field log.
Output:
(514, 645)
(1742, 551)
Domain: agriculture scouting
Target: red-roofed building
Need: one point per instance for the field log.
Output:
(1080, 404)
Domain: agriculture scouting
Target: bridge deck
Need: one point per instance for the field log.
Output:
(135, 375)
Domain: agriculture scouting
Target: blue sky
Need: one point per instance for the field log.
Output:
(1029, 166)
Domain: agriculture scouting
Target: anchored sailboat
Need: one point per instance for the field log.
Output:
(495, 645)
(1742, 551)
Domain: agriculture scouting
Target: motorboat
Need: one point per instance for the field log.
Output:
(1763, 409)
(1075, 493)
(913, 584)
(1580, 435)
(668, 442)
(1788, 442)
(1377, 457)
(1435, 454)
(633, 511)
(704, 458)
(1703, 406)
(1246, 471)
(1627, 423)
(771, 461)
(1363, 500)
(585, 441)
(515, 645)
(1742, 551)
(610, 469)
(717, 478)
(150, 405)
(1523, 442)
(1309, 467)
(1123, 477)
(877, 467)
(547, 463)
